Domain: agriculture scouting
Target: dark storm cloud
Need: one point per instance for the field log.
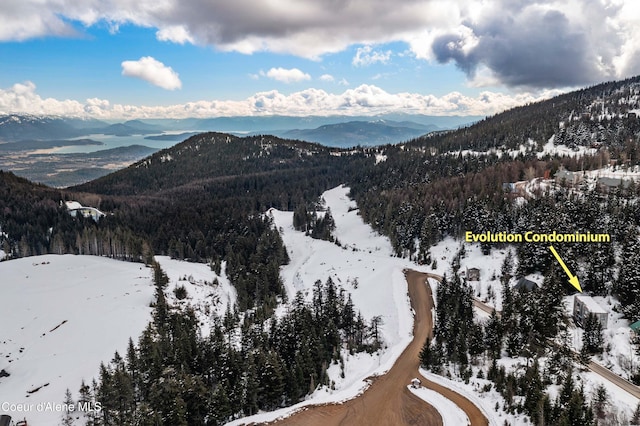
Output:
(541, 43)
(538, 50)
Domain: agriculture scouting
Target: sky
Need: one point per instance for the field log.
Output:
(114, 59)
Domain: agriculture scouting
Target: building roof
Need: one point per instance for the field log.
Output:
(525, 284)
(609, 181)
(635, 326)
(563, 173)
(73, 205)
(591, 304)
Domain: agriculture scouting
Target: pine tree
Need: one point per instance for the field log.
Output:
(592, 338)
(600, 402)
(635, 420)
(567, 388)
(348, 321)
(533, 388)
(374, 332)
(426, 358)
(549, 309)
(85, 399)
(67, 416)
(271, 382)
(494, 335)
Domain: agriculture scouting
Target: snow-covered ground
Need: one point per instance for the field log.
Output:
(69, 313)
(619, 355)
(64, 315)
(60, 316)
(364, 266)
(451, 414)
(550, 148)
(207, 293)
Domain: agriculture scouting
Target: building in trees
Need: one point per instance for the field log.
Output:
(473, 274)
(524, 284)
(564, 176)
(584, 305)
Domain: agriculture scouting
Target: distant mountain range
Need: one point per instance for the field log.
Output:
(14, 128)
(360, 133)
(334, 131)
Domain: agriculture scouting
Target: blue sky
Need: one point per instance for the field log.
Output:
(131, 59)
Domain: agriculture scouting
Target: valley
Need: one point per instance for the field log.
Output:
(276, 283)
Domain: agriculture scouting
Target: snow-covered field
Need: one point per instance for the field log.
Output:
(60, 317)
(69, 313)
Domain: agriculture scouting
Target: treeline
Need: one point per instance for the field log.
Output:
(594, 115)
(416, 215)
(203, 200)
(319, 226)
(175, 376)
(216, 157)
(35, 221)
(532, 325)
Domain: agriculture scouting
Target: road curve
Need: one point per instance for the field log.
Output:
(388, 401)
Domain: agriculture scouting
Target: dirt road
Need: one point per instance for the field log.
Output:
(388, 401)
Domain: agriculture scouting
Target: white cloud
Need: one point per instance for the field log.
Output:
(293, 75)
(367, 56)
(362, 100)
(153, 71)
(327, 78)
(176, 34)
(498, 34)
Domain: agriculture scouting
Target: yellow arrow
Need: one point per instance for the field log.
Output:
(573, 280)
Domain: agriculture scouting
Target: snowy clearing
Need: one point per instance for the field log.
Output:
(62, 316)
(207, 293)
(364, 266)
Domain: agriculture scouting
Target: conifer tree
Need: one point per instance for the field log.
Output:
(627, 285)
(68, 412)
(592, 338)
(494, 335)
(426, 358)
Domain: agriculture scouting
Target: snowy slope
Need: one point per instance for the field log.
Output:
(207, 293)
(365, 257)
(60, 317)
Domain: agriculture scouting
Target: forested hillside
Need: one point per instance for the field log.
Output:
(205, 199)
(598, 115)
(202, 200)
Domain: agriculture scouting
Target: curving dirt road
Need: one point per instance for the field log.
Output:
(388, 401)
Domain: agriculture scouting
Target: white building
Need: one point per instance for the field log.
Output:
(584, 305)
(74, 208)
